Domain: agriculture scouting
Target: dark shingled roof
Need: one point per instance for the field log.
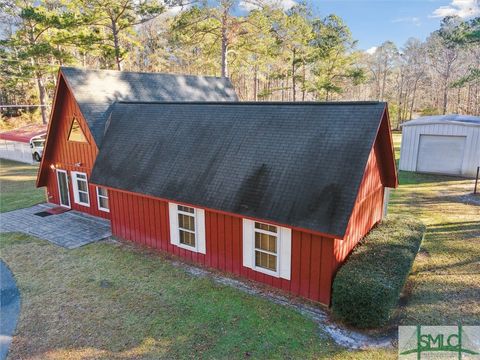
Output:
(299, 164)
(96, 90)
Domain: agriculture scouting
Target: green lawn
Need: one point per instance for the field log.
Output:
(17, 186)
(116, 300)
(444, 286)
(109, 300)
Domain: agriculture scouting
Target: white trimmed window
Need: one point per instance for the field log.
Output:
(102, 199)
(267, 248)
(80, 188)
(187, 227)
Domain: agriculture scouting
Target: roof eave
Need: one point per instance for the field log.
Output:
(394, 171)
(414, 123)
(40, 182)
(273, 222)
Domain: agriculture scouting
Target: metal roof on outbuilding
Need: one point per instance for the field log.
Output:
(444, 119)
(299, 164)
(24, 134)
(96, 90)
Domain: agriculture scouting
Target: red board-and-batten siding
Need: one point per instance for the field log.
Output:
(314, 258)
(368, 209)
(65, 154)
(145, 220)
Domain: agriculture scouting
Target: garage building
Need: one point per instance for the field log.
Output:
(445, 144)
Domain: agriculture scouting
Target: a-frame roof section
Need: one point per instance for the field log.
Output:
(298, 164)
(96, 90)
(61, 93)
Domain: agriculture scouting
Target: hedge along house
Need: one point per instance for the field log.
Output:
(279, 193)
(82, 103)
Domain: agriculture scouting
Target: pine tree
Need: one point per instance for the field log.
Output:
(116, 20)
(36, 45)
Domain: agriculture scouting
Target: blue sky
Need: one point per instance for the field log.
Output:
(375, 21)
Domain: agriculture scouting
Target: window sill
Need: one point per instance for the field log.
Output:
(188, 247)
(82, 204)
(266, 271)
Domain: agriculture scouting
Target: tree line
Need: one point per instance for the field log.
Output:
(269, 53)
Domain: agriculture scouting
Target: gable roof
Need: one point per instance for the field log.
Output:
(445, 119)
(299, 164)
(96, 90)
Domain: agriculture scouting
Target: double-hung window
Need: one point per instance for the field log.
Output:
(187, 227)
(80, 188)
(267, 248)
(102, 199)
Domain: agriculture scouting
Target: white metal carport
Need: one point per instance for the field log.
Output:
(15, 144)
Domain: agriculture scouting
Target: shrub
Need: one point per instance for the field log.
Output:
(367, 287)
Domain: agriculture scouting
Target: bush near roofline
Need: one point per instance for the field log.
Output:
(367, 287)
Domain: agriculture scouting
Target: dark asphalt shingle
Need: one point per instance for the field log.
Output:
(96, 90)
(296, 164)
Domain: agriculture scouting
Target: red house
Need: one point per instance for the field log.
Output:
(274, 192)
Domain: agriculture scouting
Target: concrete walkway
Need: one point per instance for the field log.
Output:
(9, 308)
(71, 229)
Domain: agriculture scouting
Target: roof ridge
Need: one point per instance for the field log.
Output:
(140, 72)
(252, 102)
(470, 120)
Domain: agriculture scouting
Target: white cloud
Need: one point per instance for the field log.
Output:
(463, 8)
(372, 50)
(409, 19)
(250, 5)
(175, 10)
(172, 11)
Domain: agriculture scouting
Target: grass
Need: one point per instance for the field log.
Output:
(444, 286)
(115, 300)
(17, 186)
(110, 300)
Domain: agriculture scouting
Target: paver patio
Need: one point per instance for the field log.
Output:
(70, 229)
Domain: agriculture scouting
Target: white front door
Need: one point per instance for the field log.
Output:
(441, 154)
(63, 192)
